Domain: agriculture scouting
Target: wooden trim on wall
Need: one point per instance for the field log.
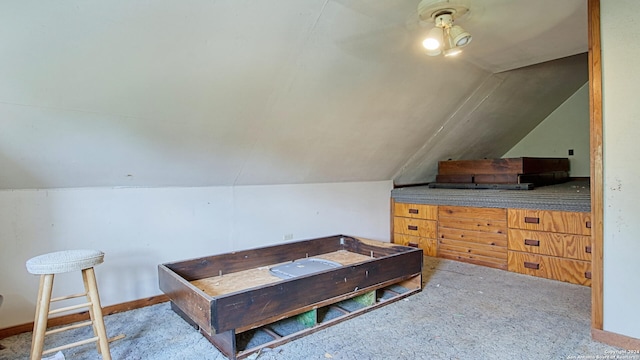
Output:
(595, 128)
(618, 340)
(83, 316)
(392, 212)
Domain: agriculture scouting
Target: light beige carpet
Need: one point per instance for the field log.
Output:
(464, 312)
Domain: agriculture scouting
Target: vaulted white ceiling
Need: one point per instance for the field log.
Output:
(206, 93)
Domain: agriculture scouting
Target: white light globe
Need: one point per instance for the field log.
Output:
(434, 39)
(431, 44)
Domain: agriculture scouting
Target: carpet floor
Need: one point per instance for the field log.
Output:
(463, 312)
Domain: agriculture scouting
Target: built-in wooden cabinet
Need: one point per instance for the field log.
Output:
(551, 244)
(415, 225)
(545, 243)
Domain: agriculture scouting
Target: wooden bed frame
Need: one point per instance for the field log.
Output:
(233, 295)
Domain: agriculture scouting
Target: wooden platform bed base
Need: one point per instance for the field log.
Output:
(241, 308)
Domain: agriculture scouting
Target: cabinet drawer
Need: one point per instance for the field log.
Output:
(572, 271)
(466, 254)
(429, 246)
(537, 242)
(476, 247)
(498, 254)
(554, 244)
(416, 211)
(487, 238)
(415, 227)
(477, 225)
(467, 212)
(555, 221)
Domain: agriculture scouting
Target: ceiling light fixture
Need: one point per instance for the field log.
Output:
(444, 38)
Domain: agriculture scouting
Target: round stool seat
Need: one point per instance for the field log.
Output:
(64, 261)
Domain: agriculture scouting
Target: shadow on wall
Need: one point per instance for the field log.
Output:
(13, 175)
(25, 232)
(132, 272)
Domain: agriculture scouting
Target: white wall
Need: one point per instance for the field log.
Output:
(565, 128)
(621, 115)
(218, 93)
(139, 228)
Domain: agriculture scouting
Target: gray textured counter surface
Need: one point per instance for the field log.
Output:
(570, 196)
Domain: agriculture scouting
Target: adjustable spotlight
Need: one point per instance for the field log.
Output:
(444, 38)
(459, 36)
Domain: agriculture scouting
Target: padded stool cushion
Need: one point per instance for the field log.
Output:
(64, 261)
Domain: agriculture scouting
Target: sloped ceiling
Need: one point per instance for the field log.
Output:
(202, 93)
(498, 114)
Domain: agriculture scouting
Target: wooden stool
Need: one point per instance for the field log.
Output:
(61, 262)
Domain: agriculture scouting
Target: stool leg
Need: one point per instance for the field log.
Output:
(42, 314)
(89, 278)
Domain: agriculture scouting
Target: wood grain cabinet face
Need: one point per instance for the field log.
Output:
(428, 246)
(550, 244)
(550, 267)
(416, 211)
(554, 221)
(578, 247)
(415, 225)
(473, 235)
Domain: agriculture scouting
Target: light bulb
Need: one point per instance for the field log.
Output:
(459, 36)
(433, 40)
(430, 44)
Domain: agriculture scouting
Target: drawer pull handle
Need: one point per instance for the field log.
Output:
(414, 211)
(587, 274)
(412, 227)
(531, 220)
(588, 224)
(532, 242)
(412, 244)
(587, 249)
(531, 265)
